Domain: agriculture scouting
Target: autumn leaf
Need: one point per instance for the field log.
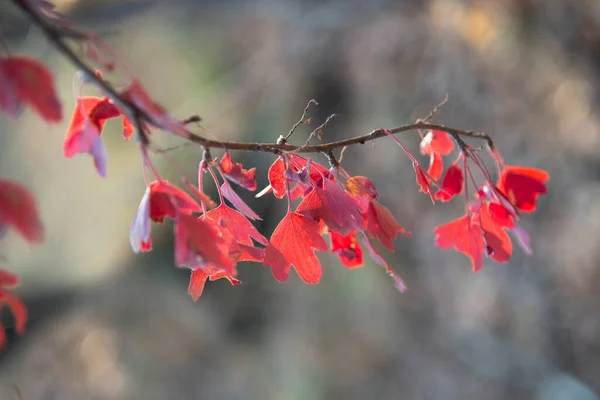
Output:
(293, 243)
(436, 166)
(199, 243)
(163, 195)
(347, 249)
(230, 194)
(437, 142)
(198, 279)
(334, 206)
(160, 200)
(236, 223)
(33, 84)
(382, 225)
(452, 184)
(362, 186)
(236, 173)
(465, 235)
(18, 210)
(276, 178)
(522, 186)
(497, 241)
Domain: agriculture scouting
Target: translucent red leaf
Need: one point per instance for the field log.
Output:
(18, 210)
(376, 256)
(422, 179)
(362, 186)
(199, 243)
(501, 216)
(293, 243)
(522, 186)
(230, 194)
(277, 174)
(347, 249)
(236, 173)
(333, 206)
(463, 235)
(236, 223)
(382, 225)
(436, 166)
(437, 142)
(33, 84)
(198, 279)
(127, 128)
(276, 178)
(497, 241)
(139, 231)
(166, 199)
(452, 185)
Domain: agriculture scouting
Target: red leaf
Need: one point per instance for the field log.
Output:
(199, 243)
(522, 186)
(276, 178)
(437, 142)
(277, 173)
(498, 244)
(236, 173)
(334, 206)
(242, 230)
(436, 166)
(464, 235)
(452, 184)
(19, 211)
(501, 216)
(230, 194)
(292, 243)
(362, 186)
(128, 128)
(382, 225)
(422, 179)
(33, 84)
(163, 194)
(83, 134)
(198, 280)
(347, 249)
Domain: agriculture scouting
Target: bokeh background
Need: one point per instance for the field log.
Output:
(106, 324)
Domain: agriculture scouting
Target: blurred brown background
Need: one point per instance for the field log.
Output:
(106, 324)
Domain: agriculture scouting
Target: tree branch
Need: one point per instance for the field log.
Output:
(58, 37)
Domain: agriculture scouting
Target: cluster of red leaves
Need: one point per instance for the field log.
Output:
(211, 242)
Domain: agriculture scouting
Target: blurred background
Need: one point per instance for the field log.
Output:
(108, 324)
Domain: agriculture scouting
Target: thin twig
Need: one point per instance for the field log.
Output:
(434, 111)
(302, 121)
(318, 131)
